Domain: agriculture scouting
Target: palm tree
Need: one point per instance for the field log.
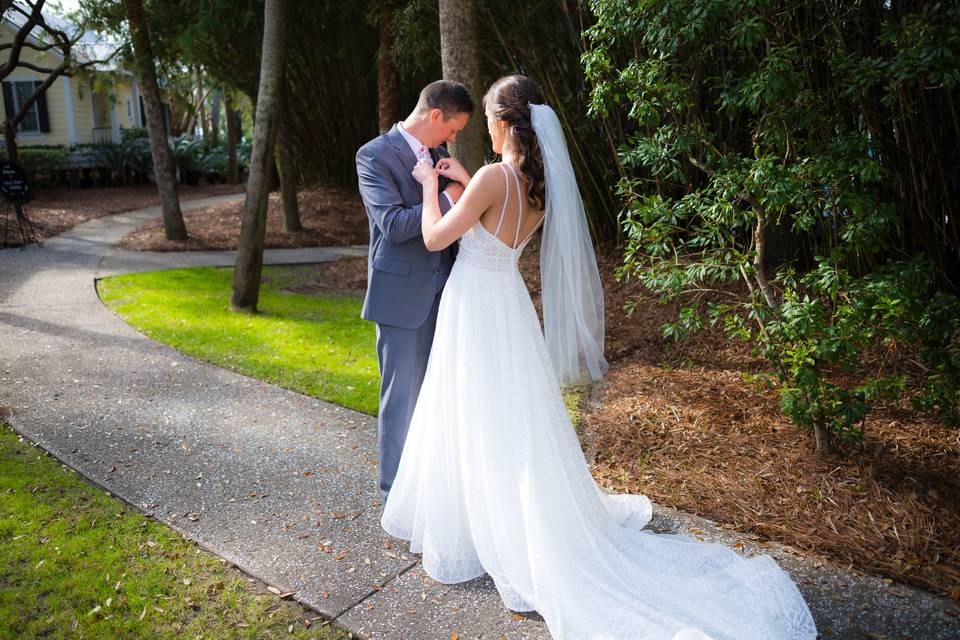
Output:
(233, 137)
(459, 56)
(173, 225)
(286, 165)
(246, 272)
(388, 76)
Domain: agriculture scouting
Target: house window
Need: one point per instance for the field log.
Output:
(22, 90)
(129, 110)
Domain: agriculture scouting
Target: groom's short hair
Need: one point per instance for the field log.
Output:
(449, 96)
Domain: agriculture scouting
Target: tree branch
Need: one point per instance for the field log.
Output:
(33, 67)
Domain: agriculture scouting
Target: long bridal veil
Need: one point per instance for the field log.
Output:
(573, 322)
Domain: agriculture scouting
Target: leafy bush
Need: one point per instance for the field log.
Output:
(138, 154)
(213, 164)
(767, 187)
(134, 133)
(187, 152)
(43, 158)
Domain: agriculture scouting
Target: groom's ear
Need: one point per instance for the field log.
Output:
(436, 115)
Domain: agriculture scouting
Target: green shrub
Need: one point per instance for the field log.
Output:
(764, 189)
(43, 158)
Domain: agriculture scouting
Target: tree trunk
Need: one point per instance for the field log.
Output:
(246, 272)
(287, 166)
(10, 134)
(459, 52)
(822, 437)
(202, 110)
(215, 118)
(233, 138)
(173, 224)
(388, 76)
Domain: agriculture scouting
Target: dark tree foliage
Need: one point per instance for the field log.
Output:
(807, 151)
(542, 39)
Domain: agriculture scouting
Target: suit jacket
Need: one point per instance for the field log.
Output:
(402, 275)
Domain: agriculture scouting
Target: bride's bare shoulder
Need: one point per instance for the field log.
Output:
(488, 177)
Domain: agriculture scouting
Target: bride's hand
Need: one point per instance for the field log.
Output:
(424, 173)
(452, 169)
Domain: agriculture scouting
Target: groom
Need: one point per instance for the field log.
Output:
(404, 280)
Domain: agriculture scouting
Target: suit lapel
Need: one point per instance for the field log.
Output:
(405, 153)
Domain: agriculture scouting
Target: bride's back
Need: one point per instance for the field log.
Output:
(512, 207)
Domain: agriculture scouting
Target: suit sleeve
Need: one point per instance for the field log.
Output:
(382, 196)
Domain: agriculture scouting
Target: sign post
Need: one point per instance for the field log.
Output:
(16, 192)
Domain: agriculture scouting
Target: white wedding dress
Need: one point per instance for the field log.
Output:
(492, 479)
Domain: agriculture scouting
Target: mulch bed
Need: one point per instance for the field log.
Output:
(55, 210)
(680, 424)
(330, 217)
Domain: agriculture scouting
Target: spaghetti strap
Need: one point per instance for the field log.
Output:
(506, 192)
(532, 231)
(516, 180)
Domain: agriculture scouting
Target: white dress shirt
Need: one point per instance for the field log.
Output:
(420, 150)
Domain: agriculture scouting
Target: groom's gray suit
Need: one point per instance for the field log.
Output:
(404, 282)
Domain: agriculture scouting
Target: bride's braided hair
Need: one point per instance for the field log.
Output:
(509, 99)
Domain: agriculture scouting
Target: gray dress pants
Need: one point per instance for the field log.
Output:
(402, 356)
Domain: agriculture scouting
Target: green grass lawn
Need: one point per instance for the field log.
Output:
(77, 563)
(319, 347)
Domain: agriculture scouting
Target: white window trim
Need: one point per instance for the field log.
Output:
(68, 103)
(35, 135)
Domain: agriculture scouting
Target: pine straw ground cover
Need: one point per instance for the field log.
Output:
(55, 210)
(680, 424)
(330, 217)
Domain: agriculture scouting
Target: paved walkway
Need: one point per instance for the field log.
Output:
(280, 484)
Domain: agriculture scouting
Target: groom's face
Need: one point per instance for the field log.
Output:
(443, 130)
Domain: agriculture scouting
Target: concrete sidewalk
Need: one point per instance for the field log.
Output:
(280, 484)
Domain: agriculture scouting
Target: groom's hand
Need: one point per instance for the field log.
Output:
(454, 190)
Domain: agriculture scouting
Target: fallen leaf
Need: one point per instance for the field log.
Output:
(272, 589)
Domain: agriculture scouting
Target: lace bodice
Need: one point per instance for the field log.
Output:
(483, 249)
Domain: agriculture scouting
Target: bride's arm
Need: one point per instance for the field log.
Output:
(439, 232)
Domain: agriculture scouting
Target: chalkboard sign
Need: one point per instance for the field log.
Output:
(13, 183)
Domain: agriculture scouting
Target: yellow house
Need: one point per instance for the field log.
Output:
(72, 110)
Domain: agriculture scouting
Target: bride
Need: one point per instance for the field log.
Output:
(492, 478)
